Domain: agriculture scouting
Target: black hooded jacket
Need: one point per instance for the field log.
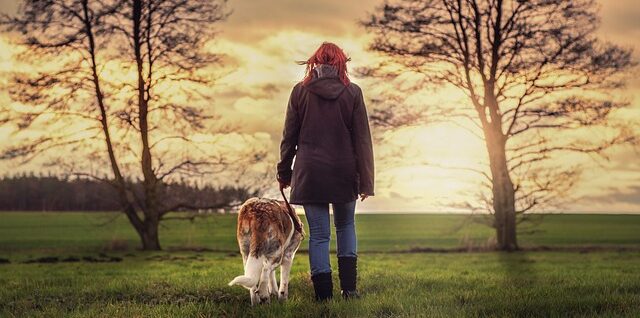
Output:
(327, 130)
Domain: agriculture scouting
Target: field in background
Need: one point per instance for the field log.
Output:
(66, 265)
(38, 233)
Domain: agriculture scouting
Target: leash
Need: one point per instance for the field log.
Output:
(292, 214)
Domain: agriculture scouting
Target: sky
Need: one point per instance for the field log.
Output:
(262, 41)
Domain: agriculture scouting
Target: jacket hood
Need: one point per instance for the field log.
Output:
(326, 82)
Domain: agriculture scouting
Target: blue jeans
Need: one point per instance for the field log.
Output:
(320, 233)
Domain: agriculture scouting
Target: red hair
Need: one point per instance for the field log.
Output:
(327, 53)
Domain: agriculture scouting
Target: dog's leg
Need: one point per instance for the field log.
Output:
(253, 293)
(273, 283)
(263, 285)
(285, 269)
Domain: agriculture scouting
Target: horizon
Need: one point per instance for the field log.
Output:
(299, 212)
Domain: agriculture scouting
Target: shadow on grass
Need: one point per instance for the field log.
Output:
(517, 269)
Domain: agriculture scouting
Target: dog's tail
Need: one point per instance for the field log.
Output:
(252, 272)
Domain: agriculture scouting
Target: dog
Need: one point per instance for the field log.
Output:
(269, 234)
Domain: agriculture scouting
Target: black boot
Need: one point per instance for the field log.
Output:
(323, 286)
(348, 273)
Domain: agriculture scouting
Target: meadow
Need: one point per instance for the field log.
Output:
(87, 264)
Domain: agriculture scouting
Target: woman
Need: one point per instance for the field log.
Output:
(327, 130)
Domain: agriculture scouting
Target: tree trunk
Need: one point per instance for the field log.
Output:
(148, 232)
(125, 197)
(503, 192)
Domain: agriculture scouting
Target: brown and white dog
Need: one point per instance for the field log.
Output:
(269, 234)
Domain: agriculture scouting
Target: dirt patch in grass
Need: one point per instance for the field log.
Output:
(582, 249)
(101, 258)
(541, 248)
(169, 258)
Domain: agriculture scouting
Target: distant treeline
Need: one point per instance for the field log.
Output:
(30, 192)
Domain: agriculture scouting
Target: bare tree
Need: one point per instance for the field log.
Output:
(145, 125)
(534, 73)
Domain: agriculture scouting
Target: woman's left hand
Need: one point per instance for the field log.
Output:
(283, 185)
(363, 196)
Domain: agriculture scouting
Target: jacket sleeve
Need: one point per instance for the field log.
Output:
(289, 143)
(361, 136)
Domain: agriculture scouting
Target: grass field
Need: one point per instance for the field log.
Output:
(183, 283)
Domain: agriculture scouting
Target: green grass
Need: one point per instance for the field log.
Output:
(36, 233)
(193, 284)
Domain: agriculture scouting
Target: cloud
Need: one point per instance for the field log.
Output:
(620, 16)
(9, 6)
(623, 198)
(254, 20)
(630, 195)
